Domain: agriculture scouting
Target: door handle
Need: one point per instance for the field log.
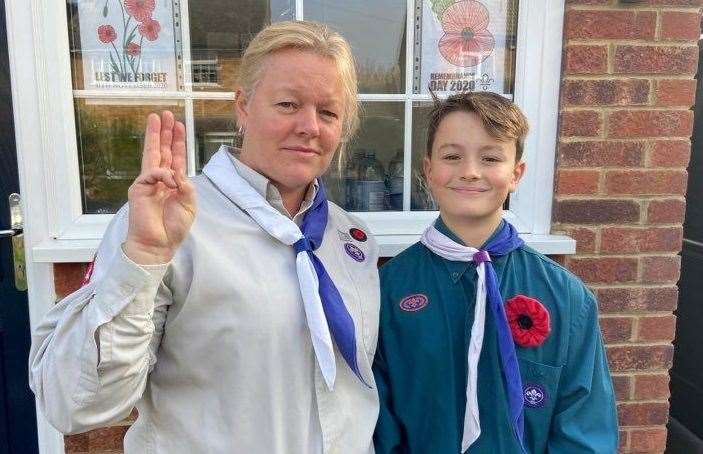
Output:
(15, 232)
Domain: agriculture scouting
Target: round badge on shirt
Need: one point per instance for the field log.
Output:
(358, 234)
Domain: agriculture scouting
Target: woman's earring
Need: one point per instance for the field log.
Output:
(239, 137)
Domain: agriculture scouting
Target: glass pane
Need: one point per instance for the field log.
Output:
(110, 142)
(370, 178)
(219, 33)
(466, 46)
(421, 198)
(120, 45)
(376, 32)
(214, 126)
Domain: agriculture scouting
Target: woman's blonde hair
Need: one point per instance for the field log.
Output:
(307, 36)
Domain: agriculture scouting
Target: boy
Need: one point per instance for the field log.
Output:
(488, 350)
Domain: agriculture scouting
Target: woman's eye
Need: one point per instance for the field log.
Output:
(286, 104)
(451, 157)
(329, 113)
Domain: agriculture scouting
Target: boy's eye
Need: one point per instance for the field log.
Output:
(491, 159)
(451, 157)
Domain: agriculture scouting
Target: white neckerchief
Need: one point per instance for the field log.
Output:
(221, 171)
(449, 249)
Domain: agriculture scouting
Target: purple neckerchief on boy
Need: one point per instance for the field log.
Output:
(502, 243)
(326, 315)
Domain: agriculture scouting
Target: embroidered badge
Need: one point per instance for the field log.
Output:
(528, 319)
(535, 395)
(354, 252)
(344, 236)
(413, 303)
(358, 234)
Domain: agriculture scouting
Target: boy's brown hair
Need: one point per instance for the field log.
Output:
(502, 118)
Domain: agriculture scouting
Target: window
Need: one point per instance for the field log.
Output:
(190, 67)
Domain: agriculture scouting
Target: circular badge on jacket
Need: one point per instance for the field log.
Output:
(358, 234)
(413, 303)
(354, 252)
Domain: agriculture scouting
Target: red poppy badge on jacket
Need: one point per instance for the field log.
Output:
(528, 319)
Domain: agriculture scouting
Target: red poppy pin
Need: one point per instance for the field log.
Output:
(528, 319)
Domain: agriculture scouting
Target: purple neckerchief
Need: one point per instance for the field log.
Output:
(503, 243)
(339, 320)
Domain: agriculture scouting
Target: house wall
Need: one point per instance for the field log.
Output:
(625, 122)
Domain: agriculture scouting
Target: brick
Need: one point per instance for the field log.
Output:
(635, 240)
(107, 438)
(622, 384)
(661, 269)
(676, 92)
(588, 2)
(68, 278)
(666, 211)
(616, 329)
(596, 211)
(616, 300)
(680, 25)
(581, 123)
(635, 414)
(651, 439)
(657, 328)
(604, 270)
(650, 123)
(670, 153)
(652, 387)
(605, 92)
(623, 440)
(585, 239)
(75, 444)
(609, 24)
(577, 182)
(585, 60)
(639, 357)
(655, 59)
(676, 2)
(601, 154)
(641, 182)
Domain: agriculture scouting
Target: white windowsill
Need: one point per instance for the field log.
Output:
(76, 251)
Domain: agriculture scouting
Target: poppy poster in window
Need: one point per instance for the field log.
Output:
(129, 44)
(466, 45)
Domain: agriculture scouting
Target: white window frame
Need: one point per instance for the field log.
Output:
(74, 235)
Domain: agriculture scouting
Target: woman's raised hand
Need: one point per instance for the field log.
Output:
(161, 199)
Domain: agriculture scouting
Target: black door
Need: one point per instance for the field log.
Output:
(18, 427)
(686, 425)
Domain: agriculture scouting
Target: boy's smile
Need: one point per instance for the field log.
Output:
(469, 172)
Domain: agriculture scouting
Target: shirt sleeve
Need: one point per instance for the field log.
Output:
(92, 353)
(585, 418)
(387, 437)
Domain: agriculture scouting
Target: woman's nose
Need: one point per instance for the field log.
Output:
(308, 122)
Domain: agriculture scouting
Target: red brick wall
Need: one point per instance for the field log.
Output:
(625, 123)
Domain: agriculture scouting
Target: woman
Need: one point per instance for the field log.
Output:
(247, 325)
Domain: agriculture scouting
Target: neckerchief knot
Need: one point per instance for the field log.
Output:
(481, 256)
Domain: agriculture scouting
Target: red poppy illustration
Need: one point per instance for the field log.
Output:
(106, 34)
(466, 41)
(150, 29)
(133, 49)
(141, 10)
(528, 319)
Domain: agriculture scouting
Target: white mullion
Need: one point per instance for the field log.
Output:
(190, 136)
(185, 47)
(299, 10)
(381, 97)
(408, 124)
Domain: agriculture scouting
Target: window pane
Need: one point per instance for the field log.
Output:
(219, 33)
(371, 175)
(115, 45)
(376, 32)
(214, 126)
(466, 46)
(110, 142)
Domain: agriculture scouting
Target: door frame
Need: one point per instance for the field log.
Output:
(29, 104)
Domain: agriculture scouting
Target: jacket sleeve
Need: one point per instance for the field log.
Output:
(585, 419)
(92, 353)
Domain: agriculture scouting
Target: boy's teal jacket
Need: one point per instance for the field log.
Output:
(421, 361)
